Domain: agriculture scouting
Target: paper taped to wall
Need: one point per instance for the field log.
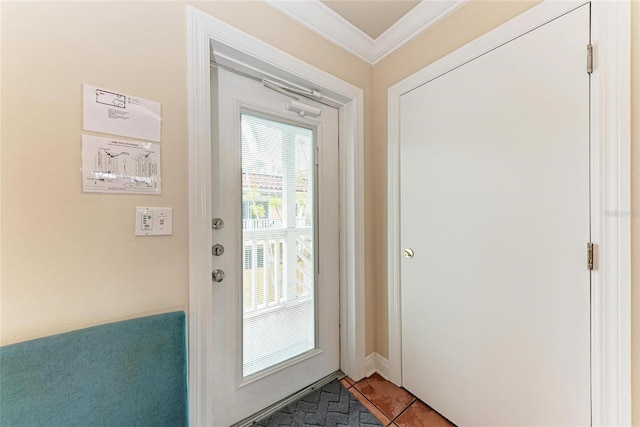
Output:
(107, 111)
(117, 166)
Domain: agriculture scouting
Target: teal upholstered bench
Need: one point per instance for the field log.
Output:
(130, 373)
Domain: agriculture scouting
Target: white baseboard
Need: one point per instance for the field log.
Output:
(376, 363)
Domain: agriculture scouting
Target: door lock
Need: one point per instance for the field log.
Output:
(217, 223)
(408, 253)
(217, 276)
(217, 249)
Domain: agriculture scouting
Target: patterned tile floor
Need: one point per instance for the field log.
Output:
(392, 405)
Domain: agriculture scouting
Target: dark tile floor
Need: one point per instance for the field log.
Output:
(392, 405)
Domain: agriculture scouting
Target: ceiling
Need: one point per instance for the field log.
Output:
(370, 29)
(373, 17)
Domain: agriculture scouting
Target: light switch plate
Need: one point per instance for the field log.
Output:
(154, 221)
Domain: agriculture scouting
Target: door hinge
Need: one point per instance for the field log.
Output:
(589, 58)
(589, 256)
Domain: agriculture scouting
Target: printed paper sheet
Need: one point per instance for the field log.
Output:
(118, 166)
(117, 113)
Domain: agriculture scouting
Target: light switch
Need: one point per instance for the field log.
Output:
(154, 222)
(146, 220)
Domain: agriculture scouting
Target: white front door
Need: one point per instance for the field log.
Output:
(275, 188)
(495, 210)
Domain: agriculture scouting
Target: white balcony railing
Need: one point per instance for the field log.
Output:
(270, 224)
(272, 275)
(261, 224)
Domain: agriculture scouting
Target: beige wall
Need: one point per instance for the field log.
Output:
(69, 259)
(464, 25)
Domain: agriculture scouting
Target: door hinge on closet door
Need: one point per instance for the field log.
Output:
(590, 256)
(589, 58)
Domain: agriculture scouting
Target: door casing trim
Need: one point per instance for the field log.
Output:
(202, 30)
(610, 194)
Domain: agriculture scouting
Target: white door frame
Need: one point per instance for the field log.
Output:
(204, 31)
(610, 194)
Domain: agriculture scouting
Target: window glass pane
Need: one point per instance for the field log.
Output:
(278, 241)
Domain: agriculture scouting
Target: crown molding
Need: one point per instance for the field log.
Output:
(322, 20)
(325, 22)
(424, 15)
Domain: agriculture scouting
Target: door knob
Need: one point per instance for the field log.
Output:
(408, 253)
(217, 276)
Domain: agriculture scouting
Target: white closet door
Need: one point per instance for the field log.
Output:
(495, 206)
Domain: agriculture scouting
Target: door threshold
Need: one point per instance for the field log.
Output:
(289, 399)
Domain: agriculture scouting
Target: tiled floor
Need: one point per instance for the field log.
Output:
(392, 405)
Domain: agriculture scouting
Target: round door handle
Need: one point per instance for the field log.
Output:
(217, 249)
(217, 276)
(408, 253)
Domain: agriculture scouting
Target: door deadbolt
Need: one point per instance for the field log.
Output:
(217, 223)
(408, 253)
(217, 276)
(217, 249)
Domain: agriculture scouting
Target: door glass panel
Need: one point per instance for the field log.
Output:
(278, 280)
